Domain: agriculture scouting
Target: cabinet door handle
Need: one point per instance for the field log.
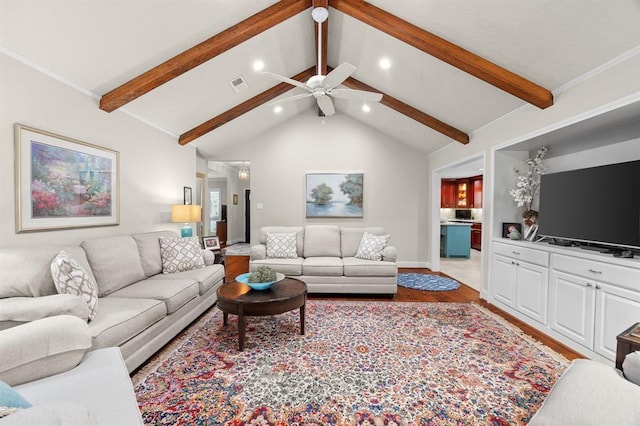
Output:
(593, 271)
(589, 285)
(516, 253)
(513, 263)
(597, 287)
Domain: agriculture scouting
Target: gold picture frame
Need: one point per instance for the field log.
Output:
(63, 183)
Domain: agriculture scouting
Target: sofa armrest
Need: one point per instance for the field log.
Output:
(209, 257)
(258, 252)
(389, 254)
(42, 348)
(16, 310)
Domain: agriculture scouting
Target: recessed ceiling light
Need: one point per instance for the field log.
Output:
(385, 63)
(258, 65)
(277, 109)
(366, 108)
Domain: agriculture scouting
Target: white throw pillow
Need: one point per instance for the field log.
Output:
(281, 245)
(371, 246)
(180, 254)
(70, 278)
(631, 367)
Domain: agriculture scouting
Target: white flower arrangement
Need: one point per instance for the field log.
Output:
(527, 185)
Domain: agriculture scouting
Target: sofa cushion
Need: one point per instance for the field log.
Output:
(371, 246)
(119, 320)
(174, 293)
(281, 245)
(350, 238)
(70, 278)
(291, 267)
(42, 348)
(115, 262)
(180, 254)
(149, 249)
(283, 229)
(17, 310)
(206, 277)
(590, 393)
(322, 266)
(322, 240)
(354, 267)
(26, 272)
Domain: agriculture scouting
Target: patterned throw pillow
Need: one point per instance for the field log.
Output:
(70, 278)
(371, 246)
(180, 254)
(281, 245)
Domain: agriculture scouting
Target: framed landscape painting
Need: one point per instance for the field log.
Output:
(334, 195)
(63, 183)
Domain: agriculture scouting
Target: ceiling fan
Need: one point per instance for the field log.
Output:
(322, 87)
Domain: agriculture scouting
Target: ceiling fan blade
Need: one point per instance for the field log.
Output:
(287, 80)
(360, 95)
(289, 99)
(338, 75)
(325, 104)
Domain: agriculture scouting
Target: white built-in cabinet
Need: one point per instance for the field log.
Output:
(581, 298)
(520, 279)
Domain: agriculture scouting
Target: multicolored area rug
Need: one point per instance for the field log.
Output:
(427, 282)
(362, 363)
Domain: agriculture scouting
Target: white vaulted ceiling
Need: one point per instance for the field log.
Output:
(102, 45)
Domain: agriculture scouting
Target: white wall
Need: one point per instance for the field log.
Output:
(153, 167)
(610, 154)
(395, 177)
(612, 87)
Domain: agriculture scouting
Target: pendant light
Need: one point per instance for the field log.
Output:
(243, 173)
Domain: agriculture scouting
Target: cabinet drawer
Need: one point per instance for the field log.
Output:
(605, 272)
(525, 254)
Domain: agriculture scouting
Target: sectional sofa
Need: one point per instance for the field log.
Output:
(325, 259)
(139, 308)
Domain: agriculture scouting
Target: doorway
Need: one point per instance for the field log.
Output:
(458, 206)
(247, 216)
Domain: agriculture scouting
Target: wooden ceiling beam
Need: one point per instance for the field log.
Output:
(325, 34)
(243, 108)
(200, 53)
(446, 51)
(411, 112)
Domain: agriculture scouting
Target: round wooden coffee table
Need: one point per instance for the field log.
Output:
(239, 299)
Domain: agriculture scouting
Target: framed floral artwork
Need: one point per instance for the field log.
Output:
(63, 183)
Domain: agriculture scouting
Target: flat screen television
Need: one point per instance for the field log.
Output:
(594, 205)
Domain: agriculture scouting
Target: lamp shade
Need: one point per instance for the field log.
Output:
(186, 213)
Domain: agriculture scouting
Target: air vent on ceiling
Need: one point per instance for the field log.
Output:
(238, 84)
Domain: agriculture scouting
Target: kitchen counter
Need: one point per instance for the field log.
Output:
(455, 239)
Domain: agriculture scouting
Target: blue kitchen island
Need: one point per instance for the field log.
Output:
(455, 239)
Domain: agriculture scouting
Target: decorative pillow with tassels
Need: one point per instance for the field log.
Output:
(180, 254)
(371, 246)
(70, 278)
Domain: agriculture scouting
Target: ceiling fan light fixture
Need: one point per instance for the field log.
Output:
(319, 14)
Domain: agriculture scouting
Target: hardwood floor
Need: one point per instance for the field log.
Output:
(236, 265)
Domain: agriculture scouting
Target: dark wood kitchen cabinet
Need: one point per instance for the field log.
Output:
(448, 193)
(476, 192)
(476, 235)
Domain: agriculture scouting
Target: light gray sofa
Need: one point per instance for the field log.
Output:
(139, 309)
(48, 362)
(326, 263)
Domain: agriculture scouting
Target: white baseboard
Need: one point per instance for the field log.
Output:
(484, 295)
(414, 265)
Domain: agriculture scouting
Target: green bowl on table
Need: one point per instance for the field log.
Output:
(244, 278)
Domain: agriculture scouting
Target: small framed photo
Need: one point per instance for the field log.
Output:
(211, 243)
(235, 199)
(187, 195)
(512, 230)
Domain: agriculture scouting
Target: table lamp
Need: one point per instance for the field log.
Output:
(185, 213)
